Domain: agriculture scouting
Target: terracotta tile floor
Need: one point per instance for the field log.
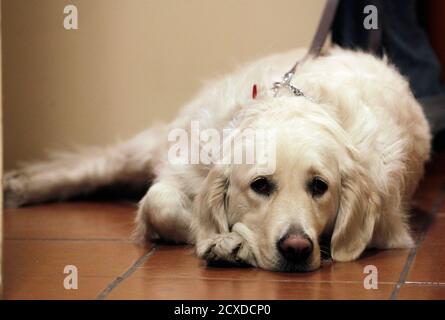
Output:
(42, 240)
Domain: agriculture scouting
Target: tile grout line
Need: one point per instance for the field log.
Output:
(412, 253)
(273, 281)
(126, 274)
(425, 284)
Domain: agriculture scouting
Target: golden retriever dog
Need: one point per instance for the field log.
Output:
(347, 156)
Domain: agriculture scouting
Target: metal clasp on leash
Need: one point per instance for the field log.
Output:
(285, 83)
(324, 26)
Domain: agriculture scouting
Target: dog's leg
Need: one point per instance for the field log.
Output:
(392, 232)
(234, 247)
(164, 213)
(72, 174)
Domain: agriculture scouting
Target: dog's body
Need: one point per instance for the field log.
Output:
(349, 156)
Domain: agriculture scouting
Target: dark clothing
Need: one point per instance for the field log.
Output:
(403, 40)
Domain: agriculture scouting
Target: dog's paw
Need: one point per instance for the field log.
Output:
(227, 248)
(14, 189)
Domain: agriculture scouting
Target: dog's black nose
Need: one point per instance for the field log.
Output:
(295, 247)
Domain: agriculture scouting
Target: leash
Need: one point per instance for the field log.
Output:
(324, 26)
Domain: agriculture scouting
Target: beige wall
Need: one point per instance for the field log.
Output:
(131, 62)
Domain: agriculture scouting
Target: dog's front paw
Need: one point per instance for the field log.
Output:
(14, 189)
(227, 248)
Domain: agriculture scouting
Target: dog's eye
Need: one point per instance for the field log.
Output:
(317, 187)
(262, 186)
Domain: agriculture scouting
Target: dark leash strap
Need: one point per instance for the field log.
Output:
(327, 20)
(324, 26)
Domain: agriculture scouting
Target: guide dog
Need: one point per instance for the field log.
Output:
(348, 154)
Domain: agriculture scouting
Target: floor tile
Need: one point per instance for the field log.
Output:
(34, 268)
(180, 262)
(429, 262)
(422, 292)
(149, 287)
(51, 288)
(70, 220)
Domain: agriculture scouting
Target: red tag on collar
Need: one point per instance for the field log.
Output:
(254, 91)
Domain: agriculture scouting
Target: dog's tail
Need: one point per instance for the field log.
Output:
(123, 169)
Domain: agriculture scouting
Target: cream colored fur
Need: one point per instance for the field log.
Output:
(360, 129)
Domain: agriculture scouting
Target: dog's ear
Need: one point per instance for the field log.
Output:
(354, 225)
(210, 205)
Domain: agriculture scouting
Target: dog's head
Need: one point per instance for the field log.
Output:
(318, 187)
